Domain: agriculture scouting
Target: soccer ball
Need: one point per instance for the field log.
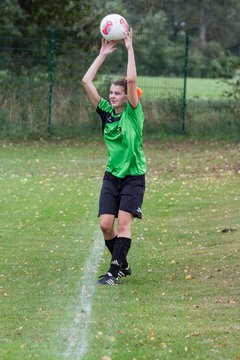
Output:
(113, 27)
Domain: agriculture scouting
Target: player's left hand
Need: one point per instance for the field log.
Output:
(128, 38)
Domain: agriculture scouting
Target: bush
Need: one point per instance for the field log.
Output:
(212, 119)
(209, 60)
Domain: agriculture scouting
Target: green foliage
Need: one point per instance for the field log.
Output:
(212, 119)
(233, 90)
(163, 115)
(24, 107)
(209, 60)
(213, 28)
(153, 60)
(234, 96)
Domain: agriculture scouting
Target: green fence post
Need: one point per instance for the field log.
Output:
(51, 82)
(185, 84)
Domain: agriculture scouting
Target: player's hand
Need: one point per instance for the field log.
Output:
(128, 38)
(108, 47)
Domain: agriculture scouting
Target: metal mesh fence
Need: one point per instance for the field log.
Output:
(41, 92)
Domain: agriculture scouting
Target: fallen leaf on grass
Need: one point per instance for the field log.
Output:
(231, 301)
(207, 277)
(228, 230)
(196, 306)
(195, 333)
(163, 345)
(37, 338)
(150, 270)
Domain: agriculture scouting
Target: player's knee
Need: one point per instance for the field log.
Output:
(124, 226)
(105, 226)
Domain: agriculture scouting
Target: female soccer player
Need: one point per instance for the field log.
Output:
(123, 185)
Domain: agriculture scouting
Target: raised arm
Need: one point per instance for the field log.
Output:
(87, 81)
(131, 71)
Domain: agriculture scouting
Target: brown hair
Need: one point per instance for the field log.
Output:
(121, 82)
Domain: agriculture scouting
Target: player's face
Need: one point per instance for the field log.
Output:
(117, 97)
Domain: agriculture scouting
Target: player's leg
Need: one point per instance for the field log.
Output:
(124, 230)
(130, 207)
(109, 233)
(124, 224)
(122, 244)
(131, 197)
(108, 209)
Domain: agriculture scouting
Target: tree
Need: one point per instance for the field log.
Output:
(213, 26)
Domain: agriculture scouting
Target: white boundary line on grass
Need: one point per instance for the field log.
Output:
(78, 333)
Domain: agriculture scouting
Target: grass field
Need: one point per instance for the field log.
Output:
(206, 88)
(182, 301)
(165, 86)
(195, 88)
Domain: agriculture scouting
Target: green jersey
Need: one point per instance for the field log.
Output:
(123, 136)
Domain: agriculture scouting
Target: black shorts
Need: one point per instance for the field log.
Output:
(124, 194)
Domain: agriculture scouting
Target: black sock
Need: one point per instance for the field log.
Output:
(110, 245)
(120, 250)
